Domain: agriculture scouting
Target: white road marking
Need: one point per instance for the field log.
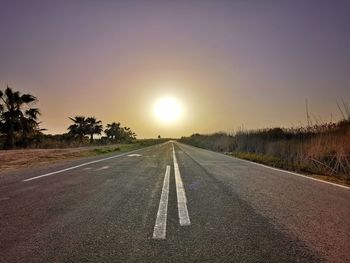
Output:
(81, 165)
(102, 168)
(181, 195)
(276, 169)
(159, 231)
(4, 198)
(134, 155)
(293, 173)
(87, 168)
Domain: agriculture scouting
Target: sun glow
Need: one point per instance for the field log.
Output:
(167, 110)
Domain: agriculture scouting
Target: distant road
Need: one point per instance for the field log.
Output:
(170, 203)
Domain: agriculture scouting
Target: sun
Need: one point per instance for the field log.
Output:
(167, 110)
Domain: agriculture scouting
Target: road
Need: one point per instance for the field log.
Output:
(170, 203)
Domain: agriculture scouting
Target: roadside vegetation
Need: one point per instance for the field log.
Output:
(20, 127)
(17, 159)
(321, 149)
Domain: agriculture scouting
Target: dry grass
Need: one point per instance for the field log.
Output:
(17, 159)
(280, 163)
(322, 149)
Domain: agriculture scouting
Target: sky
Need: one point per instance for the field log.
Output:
(231, 64)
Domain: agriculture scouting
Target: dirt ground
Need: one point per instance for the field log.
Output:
(16, 159)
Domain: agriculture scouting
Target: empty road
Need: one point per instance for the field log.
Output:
(170, 203)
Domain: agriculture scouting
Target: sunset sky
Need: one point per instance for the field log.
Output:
(227, 63)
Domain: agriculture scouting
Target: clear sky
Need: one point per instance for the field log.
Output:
(228, 63)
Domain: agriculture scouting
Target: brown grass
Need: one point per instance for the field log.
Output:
(322, 149)
(17, 159)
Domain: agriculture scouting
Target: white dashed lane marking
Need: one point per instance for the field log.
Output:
(184, 218)
(102, 168)
(159, 231)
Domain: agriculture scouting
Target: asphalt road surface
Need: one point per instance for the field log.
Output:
(170, 203)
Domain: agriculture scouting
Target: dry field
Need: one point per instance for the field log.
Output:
(17, 159)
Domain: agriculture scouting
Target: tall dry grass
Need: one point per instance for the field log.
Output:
(318, 149)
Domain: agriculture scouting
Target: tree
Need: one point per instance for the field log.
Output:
(116, 133)
(93, 127)
(128, 135)
(79, 129)
(30, 125)
(85, 126)
(1, 112)
(16, 114)
(113, 131)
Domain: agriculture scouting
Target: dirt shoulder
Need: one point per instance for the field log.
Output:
(19, 159)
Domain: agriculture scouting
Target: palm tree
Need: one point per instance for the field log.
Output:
(1, 111)
(12, 115)
(113, 131)
(79, 128)
(116, 133)
(128, 134)
(30, 124)
(93, 127)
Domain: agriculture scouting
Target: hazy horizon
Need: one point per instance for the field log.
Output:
(228, 63)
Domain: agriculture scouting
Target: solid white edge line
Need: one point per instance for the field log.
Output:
(276, 169)
(184, 218)
(159, 231)
(84, 164)
(294, 173)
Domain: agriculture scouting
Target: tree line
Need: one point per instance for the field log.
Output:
(90, 126)
(20, 126)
